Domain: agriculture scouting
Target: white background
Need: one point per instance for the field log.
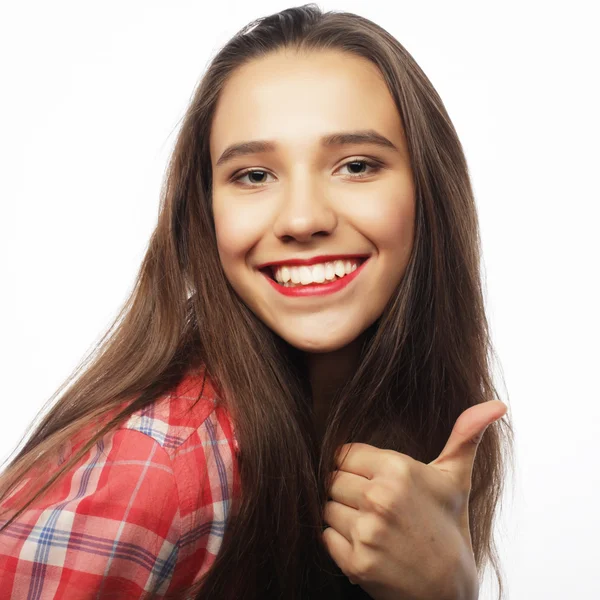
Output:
(91, 98)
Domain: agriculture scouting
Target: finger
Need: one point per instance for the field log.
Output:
(347, 488)
(357, 458)
(365, 460)
(340, 517)
(339, 548)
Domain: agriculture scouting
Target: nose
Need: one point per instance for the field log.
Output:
(304, 212)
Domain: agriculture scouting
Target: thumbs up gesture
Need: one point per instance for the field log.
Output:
(399, 527)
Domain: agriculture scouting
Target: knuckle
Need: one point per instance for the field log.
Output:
(369, 531)
(362, 567)
(383, 501)
(405, 469)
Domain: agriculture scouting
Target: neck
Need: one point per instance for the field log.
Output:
(328, 372)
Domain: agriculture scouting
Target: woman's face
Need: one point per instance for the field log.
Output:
(337, 218)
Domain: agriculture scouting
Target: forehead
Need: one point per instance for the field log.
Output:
(299, 97)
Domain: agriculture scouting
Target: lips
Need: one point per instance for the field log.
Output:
(314, 289)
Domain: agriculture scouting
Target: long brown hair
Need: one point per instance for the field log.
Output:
(423, 362)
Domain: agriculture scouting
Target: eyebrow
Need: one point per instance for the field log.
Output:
(341, 138)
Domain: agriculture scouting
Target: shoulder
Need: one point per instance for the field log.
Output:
(179, 416)
(111, 523)
(196, 432)
(144, 509)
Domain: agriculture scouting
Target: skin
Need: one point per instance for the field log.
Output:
(304, 200)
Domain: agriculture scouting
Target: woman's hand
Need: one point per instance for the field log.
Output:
(399, 527)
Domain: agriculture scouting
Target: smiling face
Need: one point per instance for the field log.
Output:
(306, 199)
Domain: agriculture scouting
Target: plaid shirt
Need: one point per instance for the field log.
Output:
(144, 509)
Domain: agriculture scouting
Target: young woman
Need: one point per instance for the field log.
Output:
(295, 397)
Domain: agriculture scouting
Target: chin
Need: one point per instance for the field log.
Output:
(318, 345)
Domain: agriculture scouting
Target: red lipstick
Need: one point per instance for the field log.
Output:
(317, 289)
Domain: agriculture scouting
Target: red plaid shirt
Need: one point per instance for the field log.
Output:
(144, 509)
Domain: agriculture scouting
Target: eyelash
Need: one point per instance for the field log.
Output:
(375, 168)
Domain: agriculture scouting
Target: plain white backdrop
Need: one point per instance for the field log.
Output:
(91, 99)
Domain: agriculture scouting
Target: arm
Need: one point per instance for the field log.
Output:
(109, 528)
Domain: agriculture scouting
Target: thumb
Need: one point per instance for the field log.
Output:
(460, 450)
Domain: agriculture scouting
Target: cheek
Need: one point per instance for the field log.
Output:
(397, 229)
(236, 231)
(389, 223)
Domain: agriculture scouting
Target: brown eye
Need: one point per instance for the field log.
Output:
(369, 163)
(237, 178)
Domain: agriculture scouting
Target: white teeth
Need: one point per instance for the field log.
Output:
(329, 271)
(319, 273)
(305, 276)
